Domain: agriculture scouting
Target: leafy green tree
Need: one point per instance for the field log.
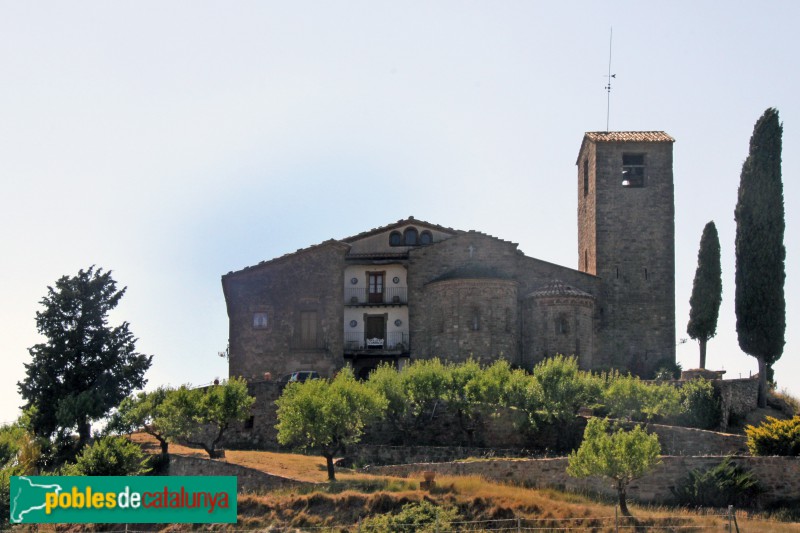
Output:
(427, 382)
(564, 387)
(145, 411)
(491, 384)
(85, 367)
(463, 395)
(760, 252)
(706, 291)
(110, 456)
(388, 382)
(631, 398)
(621, 456)
(200, 417)
(327, 415)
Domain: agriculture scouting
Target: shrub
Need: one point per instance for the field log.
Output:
(700, 406)
(775, 437)
(724, 484)
(110, 456)
(414, 518)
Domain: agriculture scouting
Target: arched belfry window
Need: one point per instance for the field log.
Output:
(395, 239)
(425, 237)
(411, 236)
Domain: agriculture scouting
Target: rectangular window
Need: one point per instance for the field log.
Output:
(375, 284)
(260, 320)
(633, 170)
(308, 329)
(585, 177)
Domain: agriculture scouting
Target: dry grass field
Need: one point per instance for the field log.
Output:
(339, 506)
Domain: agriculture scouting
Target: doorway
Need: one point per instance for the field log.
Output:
(375, 331)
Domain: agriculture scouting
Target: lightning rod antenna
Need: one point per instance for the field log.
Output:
(608, 85)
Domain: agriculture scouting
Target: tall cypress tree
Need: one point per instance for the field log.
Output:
(760, 253)
(706, 291)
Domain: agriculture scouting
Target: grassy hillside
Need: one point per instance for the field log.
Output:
(358, 496)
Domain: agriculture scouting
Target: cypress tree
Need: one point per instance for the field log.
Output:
(706, 291)
(760, 253)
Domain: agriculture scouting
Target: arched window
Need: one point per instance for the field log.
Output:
(425, 237)
(410, 236)
(562, 325)
(395, 239)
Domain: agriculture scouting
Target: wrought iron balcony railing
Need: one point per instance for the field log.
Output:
(390, 295)
(357, 340)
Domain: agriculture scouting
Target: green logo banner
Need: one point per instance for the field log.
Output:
(117, 499)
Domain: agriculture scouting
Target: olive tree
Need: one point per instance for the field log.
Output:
(327, 415)
(621, 456)
(201, 416)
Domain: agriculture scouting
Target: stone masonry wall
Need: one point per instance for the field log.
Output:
(677, 440)
(370, 454)
(260, 433)
(247, 478)
(778, 476)
(635, 257)
(478, 251)
(738, 397)
(473, 318)
(301, 296)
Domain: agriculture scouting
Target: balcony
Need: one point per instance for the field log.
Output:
(389, 296)
(356, 341)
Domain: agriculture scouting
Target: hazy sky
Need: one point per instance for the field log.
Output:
(172, 142)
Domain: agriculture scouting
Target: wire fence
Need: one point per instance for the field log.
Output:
(708, 521)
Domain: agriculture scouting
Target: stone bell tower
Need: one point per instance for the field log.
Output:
(626, 236)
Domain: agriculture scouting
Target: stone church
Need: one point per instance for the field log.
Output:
(413, 289)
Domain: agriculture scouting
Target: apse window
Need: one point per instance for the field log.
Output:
(260, 320)
(632, 170)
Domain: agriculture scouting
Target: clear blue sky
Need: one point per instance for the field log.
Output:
(172, 142)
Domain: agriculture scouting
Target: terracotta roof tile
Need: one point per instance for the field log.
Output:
(400, 223)
(629, 136)
(557, 288)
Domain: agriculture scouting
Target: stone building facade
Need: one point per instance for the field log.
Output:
(413, 289)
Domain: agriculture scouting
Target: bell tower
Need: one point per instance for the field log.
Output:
(626, 236)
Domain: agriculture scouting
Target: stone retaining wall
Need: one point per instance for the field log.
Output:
(738, 397)
(369, 454)
(676, 440)
(779, 476)
(248, 478)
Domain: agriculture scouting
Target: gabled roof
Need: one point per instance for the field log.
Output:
(623, 136)
(399, 224)
(329, 242)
